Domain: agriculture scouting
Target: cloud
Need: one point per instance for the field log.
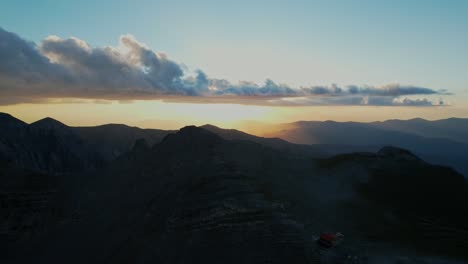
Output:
(356, 100)
(71, 68)
(244, 88)
(21, 60)
(417, 102)
(386, 90)
(131, 67)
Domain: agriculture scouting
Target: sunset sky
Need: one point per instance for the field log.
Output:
(165, 64)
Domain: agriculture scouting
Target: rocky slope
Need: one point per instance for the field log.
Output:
(208, 195)
(187, 194)
(402, 199)
(49, 146)
(198, 198)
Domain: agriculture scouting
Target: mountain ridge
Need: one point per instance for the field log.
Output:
(308, 138)
(240, 201)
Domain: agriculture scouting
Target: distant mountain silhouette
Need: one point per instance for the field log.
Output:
(276, 143)
(436, 141)
(454, 129)
(51, 147)
(95, 146)
(46, 146)
(113, 140)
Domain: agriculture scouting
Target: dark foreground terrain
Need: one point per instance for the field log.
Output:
(115, 194)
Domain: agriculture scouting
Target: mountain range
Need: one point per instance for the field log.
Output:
(442, 141)
(119, 194)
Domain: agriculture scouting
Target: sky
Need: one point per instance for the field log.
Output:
(171, 63)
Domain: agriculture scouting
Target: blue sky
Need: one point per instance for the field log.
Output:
(349, 42)
(298, 43)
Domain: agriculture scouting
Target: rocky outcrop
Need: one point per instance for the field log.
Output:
(186, 194)
(405, 199)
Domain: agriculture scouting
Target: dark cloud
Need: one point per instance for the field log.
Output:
(394, 90)
(71, 68)
(20, 59)
(391, 101)
(133, 66)
(357, 100)
(322, 90)
(244, 88)
(417, 102)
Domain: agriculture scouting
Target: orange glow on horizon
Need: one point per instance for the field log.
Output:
(253, 119)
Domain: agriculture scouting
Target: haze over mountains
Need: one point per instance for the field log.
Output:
(441, 141)
(119, 194)
(453, 129)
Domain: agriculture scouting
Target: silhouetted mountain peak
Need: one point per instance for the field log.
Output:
(216, 129)
(117, 126)
(330, 122)
(192, 135)
(417, 119)
(227, 133)
(10, 121)
(209, 126)
(193, 131)
(48, 123)
(394, 152)
(197, 133)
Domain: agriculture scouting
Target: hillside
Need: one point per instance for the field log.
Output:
(119, 194)
(239, 201)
